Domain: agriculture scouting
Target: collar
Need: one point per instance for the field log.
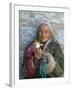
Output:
(46, 44)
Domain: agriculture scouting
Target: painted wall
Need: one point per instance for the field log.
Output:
(28, 23)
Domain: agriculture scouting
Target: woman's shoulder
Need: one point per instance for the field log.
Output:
(55, 45)
(54, 42)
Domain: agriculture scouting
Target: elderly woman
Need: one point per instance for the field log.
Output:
(44, 58)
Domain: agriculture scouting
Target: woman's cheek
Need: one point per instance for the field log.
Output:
(43, 37)
(47, 36)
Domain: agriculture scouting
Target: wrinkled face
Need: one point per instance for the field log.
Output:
(44, 32)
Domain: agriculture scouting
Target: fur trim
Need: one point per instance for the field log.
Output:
(51, 63)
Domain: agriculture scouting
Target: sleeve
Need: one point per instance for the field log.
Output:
(28, 61)
(58, 55)
(59, 58)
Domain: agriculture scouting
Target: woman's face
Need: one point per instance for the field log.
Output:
(44, 33)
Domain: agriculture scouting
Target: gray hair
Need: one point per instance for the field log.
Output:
(50, 29)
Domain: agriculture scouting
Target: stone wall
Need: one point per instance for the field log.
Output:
(28, 23)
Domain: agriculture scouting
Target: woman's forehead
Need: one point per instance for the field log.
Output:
(43, 27)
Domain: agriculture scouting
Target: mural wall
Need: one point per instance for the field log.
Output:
(28, 23)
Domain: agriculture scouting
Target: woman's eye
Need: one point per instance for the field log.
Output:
(40, 33)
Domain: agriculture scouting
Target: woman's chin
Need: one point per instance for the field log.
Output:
(43, 40)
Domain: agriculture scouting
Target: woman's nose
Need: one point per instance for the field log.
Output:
(43, 34)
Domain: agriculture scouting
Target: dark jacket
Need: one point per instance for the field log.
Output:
(54, 48)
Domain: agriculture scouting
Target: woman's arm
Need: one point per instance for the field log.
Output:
(28, 61)
(59, 58)
(57, 53)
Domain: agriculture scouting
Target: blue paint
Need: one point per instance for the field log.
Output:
(43, 68)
